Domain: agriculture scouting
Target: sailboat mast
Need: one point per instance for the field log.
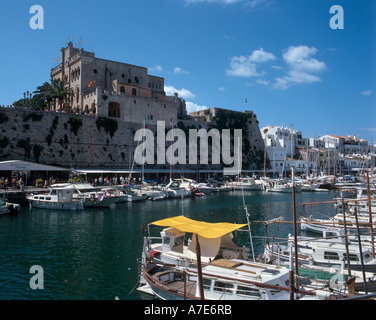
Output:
(370, 216)
(295, 229)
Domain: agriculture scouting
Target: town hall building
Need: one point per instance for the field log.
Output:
(114, 89)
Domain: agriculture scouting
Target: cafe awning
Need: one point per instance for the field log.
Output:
(19, 165)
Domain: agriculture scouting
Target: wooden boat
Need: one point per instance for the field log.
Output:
(56, 199)
(172, 272)
(222, 280)
(215, 241)
(92, 197)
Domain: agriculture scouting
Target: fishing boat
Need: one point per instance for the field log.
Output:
(8, 207)
(56, 199)
(171, 247)
(92, 197)
(170, 270)
(221, 280)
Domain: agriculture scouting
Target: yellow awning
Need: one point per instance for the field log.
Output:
(203, 229)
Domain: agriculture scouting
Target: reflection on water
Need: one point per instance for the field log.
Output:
(92, 254)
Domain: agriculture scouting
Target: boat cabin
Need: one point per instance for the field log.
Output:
(172, 240)
(56, 195)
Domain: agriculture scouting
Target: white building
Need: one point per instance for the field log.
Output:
(345, 144)
(281, 144)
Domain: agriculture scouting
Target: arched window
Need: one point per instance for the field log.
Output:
(134, 92)
(122, 89)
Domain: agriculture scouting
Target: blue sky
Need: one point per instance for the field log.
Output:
(279, 55)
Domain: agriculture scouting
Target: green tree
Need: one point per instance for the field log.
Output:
(53, 91)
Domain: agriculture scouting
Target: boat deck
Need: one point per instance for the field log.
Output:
(178, 287)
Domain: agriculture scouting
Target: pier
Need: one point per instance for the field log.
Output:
(18, 196)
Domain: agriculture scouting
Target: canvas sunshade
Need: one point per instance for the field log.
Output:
(203, 229)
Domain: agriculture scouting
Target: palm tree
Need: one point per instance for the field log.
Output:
(44, 93)
(55, 90)
(59, 91)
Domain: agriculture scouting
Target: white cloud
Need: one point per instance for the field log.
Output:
(156, 68)
(299, 58)
(263, 82)
(261, 56)
(243, 66)
(183, 93)
(178, 70)
(192, 107)
(302, 67)
(366, 92)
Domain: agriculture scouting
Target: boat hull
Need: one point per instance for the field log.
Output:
(72, 206)
(96, 203)
(248, 187)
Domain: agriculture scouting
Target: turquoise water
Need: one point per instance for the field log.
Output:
(91, 254)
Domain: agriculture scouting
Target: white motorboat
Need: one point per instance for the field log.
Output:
(206, 187)
(282, 186)
(56, 198)
(309, 186)
(246, 184)
(324, 252)
(174, 190)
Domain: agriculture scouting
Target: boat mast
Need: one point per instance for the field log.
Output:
(199, 269)
(360, 249)
(295, 229)
(245, 207)
(265, 131)
(370, 216)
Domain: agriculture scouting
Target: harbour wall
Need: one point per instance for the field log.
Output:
(85, 141)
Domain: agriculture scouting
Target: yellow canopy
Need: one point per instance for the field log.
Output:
(203, 229)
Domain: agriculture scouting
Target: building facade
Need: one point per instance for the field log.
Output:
(114, 89)
(345, 144)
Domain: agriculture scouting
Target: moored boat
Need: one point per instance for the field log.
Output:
(8, 207)
(222, 280)
(246, 184)
(56, 199)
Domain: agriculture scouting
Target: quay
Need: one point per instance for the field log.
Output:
(18, 196)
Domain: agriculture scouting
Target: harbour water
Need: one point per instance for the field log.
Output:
(91, 254)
